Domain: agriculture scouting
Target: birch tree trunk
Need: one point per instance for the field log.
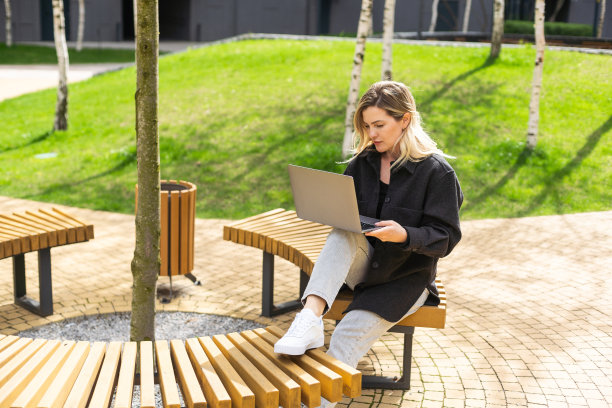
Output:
(79, 44)
(536, 87)
(8, 23)
(434, 15)
(466, 15)
(498, 29)
(146, 261)
(135, 18)
(602, 13)
(558, 8)
(59, 33)
(388, 28)
(362, 29)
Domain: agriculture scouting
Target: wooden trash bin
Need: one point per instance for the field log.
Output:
(177, 209)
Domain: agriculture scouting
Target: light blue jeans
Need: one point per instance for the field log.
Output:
(345, 258)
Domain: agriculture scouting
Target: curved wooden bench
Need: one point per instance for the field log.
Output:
(223, 371)
(280, 232)
(39, 231)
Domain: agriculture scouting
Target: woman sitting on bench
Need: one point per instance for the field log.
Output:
(400, 177)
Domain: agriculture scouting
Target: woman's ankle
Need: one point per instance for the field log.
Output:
(316, 304)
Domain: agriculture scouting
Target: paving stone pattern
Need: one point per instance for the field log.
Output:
(528, 320)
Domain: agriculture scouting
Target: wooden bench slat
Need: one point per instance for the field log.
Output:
(125, 384)
(230, 231)
(289, 390)
(266, 394)
(25, 244)
(38, 385)
(167, 381)
(71, 231)
(38, 236)
(351, 377)
(331, 383)
(17, 382)
(214, 390)
(75, 233)
(310, 388)
(51, 232)
(62, 233)
(147, 375)
(13, 365)
(6, 341)
(12, 348)
(84, 384)
(240, 393)
(89, 232)
(250, 234)
(188, 382)
(60, 388)
(103, 390)
(241, 233)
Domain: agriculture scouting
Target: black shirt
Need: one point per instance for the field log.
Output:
(424, 197)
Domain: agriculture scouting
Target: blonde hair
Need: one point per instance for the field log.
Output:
(395, 98)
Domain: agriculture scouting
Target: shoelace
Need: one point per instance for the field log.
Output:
(299, 326)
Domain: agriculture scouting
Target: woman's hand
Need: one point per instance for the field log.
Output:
(391, 232)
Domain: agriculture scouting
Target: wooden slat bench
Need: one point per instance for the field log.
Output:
(234, 370)
(280, 232)
(39, 231)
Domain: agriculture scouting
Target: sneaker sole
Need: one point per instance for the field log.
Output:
(296, 350)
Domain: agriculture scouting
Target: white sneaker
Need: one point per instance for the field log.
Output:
(306, 332)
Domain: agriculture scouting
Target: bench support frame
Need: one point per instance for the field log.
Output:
(393, 383)
(44, 307)
(268, 308)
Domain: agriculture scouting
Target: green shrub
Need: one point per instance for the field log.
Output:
(550, 28)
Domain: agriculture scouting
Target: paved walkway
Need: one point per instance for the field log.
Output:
(529, 306)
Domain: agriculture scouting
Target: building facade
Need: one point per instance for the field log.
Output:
(209, 20)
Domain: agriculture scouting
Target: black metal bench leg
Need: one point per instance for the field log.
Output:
(44, 282)
(268, 308)
(393, 383)
(45, 306)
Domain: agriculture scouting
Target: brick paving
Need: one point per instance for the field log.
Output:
(528, 318)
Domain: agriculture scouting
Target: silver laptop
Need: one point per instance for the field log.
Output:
(327, 198)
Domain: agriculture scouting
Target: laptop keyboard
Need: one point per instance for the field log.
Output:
(365, 226)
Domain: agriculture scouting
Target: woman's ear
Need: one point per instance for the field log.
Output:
(406, 120)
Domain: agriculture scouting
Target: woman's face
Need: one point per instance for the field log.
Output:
(382, 128)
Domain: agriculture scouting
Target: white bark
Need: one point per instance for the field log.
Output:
(534, 104)
(466, 15)
(602, 13)
(365, 19)
(434, 15)
(498, 28)
(79, 44)
(8, 23)
(388, 28)
(59, 33)
(135, 19)
(558, 8)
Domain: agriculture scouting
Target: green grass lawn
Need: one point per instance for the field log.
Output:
(35, 54)
(232, 116)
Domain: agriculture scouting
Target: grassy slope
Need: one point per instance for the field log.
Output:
(233, 116)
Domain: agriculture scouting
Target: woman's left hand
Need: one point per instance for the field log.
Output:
(391, 232)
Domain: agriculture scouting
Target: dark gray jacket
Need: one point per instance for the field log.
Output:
(424, 197)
